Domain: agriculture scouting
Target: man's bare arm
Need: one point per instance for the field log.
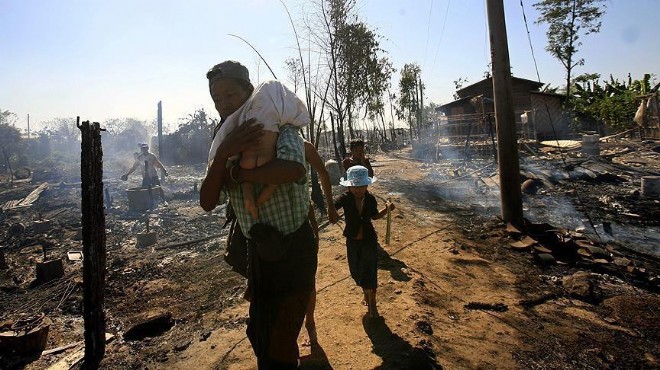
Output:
(159, 164)
(135, 167)
(315, 160)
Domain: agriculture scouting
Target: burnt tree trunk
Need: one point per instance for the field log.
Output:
(93, 230)
(334, 139)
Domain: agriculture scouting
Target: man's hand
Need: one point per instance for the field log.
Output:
(241, 138)
(124, 177)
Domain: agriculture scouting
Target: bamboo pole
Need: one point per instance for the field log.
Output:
(388, 229)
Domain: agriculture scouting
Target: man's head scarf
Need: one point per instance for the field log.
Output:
(228, 69)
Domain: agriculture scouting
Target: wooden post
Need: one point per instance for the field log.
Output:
(507, 141)
(160, 130)
(93, 230)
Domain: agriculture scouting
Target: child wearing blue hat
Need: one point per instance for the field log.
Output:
(360, 207)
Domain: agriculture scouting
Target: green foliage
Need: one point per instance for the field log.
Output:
(609, 102)
(458, 84)
(190, 143)
(567, 21)
(10, 145)
(363, 75)
(64, 138)
(122, 135)
(7, 117)
(410, 93)
(359, 70)
(429, 112)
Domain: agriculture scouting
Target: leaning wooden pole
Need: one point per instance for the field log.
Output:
(93, 230)
(507, 140)
(159, 118)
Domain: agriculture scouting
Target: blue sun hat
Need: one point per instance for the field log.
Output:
(357, 176)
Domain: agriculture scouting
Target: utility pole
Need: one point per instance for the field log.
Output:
(28, 126)
(507, 140)
(160, 130)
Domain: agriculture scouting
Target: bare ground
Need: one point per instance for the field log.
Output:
(452, 294)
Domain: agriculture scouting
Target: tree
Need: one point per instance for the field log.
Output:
(458, 84)
(7, 118)
(358, 71)
(64, 138)
(568, 20)
(123, 134)
(295, 72)
(410, 101)
(190, 142)
(363, 76)
(10, 141)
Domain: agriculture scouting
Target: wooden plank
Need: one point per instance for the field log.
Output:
(489, 182)
(61, 348)
(70, 360)
(28, 200)
(34, 195)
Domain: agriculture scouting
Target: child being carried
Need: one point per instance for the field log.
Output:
(272, 105)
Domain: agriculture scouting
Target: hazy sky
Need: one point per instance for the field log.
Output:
(118, 58)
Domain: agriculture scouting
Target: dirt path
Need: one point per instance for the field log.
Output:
(447, 299)
(422, 325)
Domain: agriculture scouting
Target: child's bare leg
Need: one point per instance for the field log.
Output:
(310, 324)
(371, 302)
(265, 194)
(254, 158)
(248, 199)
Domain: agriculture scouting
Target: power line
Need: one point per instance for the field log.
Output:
(486, 43)
(529, 39)
(442, 32)
(428, 31)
